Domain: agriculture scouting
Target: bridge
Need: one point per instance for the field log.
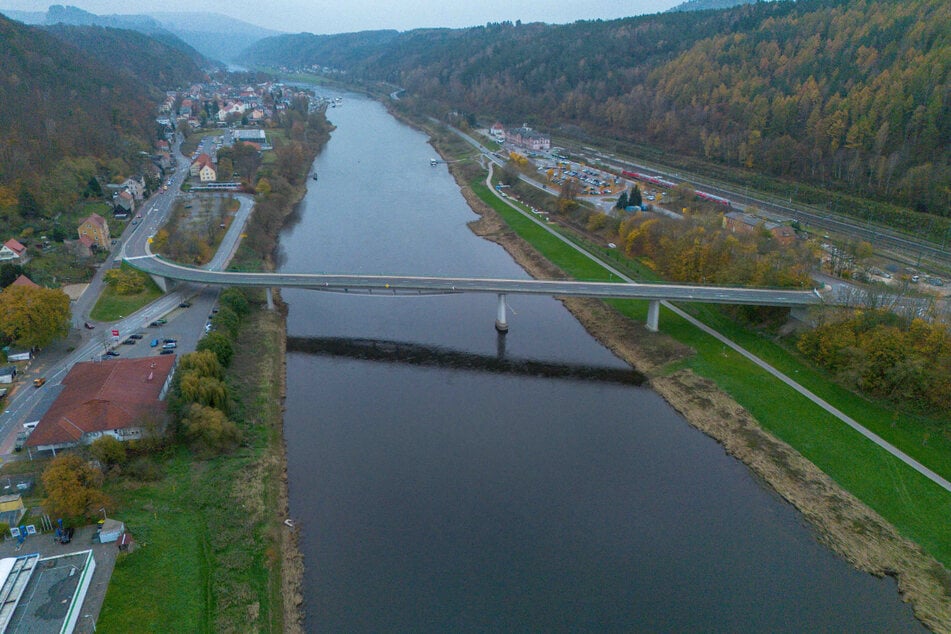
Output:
(162, 270)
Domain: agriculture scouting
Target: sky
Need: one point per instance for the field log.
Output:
(325, 16)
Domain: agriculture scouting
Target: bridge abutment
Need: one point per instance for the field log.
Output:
(653, 315)
(500, 323)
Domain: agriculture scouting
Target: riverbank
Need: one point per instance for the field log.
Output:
(843, 522)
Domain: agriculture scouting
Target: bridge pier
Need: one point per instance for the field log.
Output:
(500, 324)
(270, 298)
(161, 282)
(653, 315)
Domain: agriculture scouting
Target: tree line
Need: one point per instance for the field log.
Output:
(846, 95)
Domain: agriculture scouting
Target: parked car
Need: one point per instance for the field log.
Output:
(112, 353)
(87, 325)
(154, 343)
(169, 340)
(169, 346)
(168, 351)
(129, 342)
(137, 335)
(184, 304)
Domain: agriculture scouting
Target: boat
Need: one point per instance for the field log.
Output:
(314, 176)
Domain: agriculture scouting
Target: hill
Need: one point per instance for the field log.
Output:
(63, 111)
(214, 36)
(162, 61)
(854, 96)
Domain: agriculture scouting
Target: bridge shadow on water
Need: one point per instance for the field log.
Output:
(386, 351)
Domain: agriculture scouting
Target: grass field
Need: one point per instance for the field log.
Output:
(914, 505)
(111, 306)
(207, 529)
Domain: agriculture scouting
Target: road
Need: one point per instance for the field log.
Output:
(186, 325)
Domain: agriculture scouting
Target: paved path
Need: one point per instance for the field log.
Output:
(848, 420)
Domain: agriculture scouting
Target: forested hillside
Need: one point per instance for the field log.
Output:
(854, 95)
(57, 103)
(161, 64)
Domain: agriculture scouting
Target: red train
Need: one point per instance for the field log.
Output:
(660, 182)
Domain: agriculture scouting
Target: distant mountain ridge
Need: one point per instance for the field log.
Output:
(215, 36)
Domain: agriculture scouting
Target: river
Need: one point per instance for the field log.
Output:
(441, 489)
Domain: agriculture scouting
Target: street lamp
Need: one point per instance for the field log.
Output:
(92, 620)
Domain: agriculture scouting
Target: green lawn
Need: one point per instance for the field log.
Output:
(208, 531)
(914, 505)
(112, 306)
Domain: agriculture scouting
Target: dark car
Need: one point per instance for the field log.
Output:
(167, 351)
(129, 342)
(112, 353)
(169, 340)
(185, 305)
(88, 326)
(137, 335)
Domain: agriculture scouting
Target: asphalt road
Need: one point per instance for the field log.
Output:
(186, 325)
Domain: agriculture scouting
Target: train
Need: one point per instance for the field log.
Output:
(660, 182)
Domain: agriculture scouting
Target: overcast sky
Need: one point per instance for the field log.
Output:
(325, 16)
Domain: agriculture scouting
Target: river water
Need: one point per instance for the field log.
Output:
(443, 483)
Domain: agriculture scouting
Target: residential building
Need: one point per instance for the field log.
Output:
(117, 398)
(136, 187)
(200, 161)
(207, 173)
(497, 131)
(96, 229)
(8, 374)
(13, 251)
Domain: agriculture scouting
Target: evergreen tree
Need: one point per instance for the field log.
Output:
(635, 197)
(621, 201)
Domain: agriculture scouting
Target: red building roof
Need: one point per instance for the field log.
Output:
(103, 396)
(23, 280)
(95, 219)
(15, 246)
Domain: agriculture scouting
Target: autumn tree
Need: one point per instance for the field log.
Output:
(108, 450)
(72, 487)
(209, 431)
(125, 281)
(33, 317)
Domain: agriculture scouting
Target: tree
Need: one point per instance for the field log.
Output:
(108, 450)
(33, 317)
(635, 197)
(236, 300)
(203, 363)
(72, 487)
(219, 344)
(27, 206)
(93, 188)
(209, 431)
(204, 390)
(125, 281)
(621, 201)
(9, 272)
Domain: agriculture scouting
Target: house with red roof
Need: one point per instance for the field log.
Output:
(119, 398)
(13, 251)
(202, 160)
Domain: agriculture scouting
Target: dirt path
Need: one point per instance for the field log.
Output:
(841, 521)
